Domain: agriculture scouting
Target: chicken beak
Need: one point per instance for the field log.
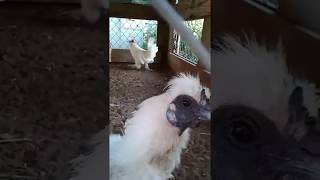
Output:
(204, 113)
(184, 117)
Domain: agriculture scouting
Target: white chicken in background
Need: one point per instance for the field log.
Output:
(142, 56)
(154, 137)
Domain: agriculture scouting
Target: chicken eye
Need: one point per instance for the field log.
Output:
(242, 131)
(186, 103)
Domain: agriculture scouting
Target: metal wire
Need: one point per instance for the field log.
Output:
(181, 48)
(123, 30)
(177, 22)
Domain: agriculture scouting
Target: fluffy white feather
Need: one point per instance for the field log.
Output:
(250, 74)
(142, 56)
(151, 147)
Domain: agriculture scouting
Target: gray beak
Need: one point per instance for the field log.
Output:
(205, 107)
(184, 111)
(205, 113)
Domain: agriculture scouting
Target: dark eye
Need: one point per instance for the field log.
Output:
(242, 131)
(186, 103)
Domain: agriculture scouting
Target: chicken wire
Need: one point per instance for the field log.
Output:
(180, 47)
(123, 30)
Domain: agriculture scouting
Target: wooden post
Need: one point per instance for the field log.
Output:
(162, 41)
(206, 34)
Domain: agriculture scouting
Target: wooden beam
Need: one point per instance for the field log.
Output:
(194, 9)
(206, 34)
(134, 11)
(163, 34)
(304, 13)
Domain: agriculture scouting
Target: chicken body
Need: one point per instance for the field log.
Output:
(142, 56)
(257, 77)
(266, 120)
(151, 147)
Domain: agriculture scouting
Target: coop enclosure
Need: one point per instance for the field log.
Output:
(122, 30)
(139, 21)
(129, 87)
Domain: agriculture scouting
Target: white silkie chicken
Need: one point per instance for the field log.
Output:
(158, 131)
(154, 137)
(142, 56)
(266, 120)
(250, 74)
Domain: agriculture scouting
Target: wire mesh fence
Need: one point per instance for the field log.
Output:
(123, 30)
(180, 47)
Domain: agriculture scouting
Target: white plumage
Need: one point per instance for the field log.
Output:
(151, 146)
(244, 73)
(142, 56)
(250, 74)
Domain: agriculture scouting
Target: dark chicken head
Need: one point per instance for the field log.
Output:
(184, 111)
(131, 41)
(249, 146)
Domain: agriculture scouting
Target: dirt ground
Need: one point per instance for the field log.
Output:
(52, 92)
(128, 88)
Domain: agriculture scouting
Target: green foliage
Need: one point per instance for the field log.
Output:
(149, 32)
(196, 27)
